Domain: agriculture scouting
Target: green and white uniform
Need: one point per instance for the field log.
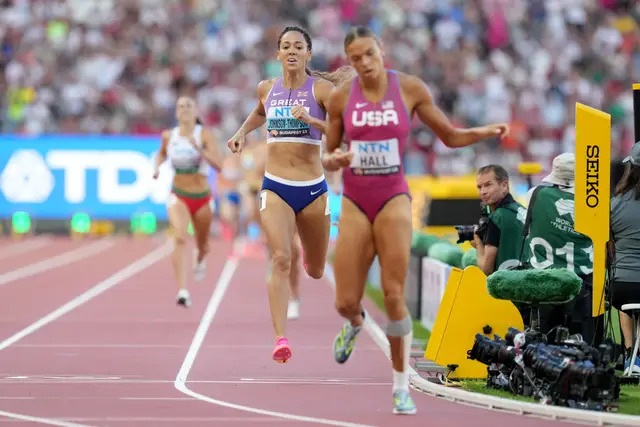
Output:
(553, 241)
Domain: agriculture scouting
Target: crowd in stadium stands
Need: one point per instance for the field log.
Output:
(111, 66)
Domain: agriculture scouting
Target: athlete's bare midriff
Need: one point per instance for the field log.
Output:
(294, 161)
(191, 183)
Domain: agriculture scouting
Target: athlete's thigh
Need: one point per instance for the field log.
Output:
(313, 224)
(277, 221)
(255, 206)
(179, 216)
(296, 247)
(228, 209)
(353, 254)
(392, 234)
(202, 223)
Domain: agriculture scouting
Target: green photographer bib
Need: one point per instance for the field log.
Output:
(552, 240)
(510, 220)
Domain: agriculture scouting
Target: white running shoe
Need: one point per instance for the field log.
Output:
(183, 298)
(293, 311)
(199, 269)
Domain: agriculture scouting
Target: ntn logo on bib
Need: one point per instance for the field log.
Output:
(282, 112)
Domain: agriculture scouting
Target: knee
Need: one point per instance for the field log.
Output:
(281, 262)
(399, 328)
(179, 240)
(348, 307)
(394, 298)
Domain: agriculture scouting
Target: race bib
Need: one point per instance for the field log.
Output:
(375, 157)
(281, 123)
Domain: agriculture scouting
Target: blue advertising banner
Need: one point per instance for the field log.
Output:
(107, 177)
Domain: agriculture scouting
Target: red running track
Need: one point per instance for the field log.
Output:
(121, 353)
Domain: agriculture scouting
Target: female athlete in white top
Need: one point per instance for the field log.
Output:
(191, 150)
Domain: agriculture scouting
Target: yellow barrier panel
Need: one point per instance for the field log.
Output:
(592, 193)
(465, 309)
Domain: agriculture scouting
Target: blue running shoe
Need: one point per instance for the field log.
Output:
(403, 403)
(345, 341)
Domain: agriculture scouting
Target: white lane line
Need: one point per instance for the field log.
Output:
(133, 420)
(212, 307)
(122, 275)
(84, 251)
(48, 421)
(54, 382)
(25, 246)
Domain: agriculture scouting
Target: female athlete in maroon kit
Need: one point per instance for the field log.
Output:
(373, 112)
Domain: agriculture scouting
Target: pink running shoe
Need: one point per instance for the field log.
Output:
(282, 352)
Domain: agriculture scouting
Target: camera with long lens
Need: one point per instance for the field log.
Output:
(564, 370)
(465, 232)
(501, 357)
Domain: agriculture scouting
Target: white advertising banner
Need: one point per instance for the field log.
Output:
(434, 281)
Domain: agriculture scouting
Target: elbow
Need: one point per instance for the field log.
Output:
(451, 139)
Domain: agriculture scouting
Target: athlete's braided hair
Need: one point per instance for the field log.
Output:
(336, 77)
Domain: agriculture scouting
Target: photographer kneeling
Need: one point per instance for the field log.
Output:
(552, 242)
(498, 237)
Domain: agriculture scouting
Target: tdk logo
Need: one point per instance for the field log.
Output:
(374, 118)
(30, 177)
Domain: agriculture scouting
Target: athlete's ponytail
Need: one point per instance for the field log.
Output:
(336, 77)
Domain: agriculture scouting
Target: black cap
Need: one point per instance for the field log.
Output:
(634, 155)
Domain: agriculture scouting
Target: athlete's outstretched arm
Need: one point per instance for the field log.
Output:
(162, 153)
(210, 150)
(429, 113)
(256, 118)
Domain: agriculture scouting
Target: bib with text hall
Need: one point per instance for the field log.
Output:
(375, 157)
(592, 192)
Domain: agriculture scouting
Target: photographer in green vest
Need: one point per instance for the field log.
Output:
(552, 242)
(498, 239)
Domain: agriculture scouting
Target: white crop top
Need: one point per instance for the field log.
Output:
(184, 158)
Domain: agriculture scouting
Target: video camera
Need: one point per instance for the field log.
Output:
(465, 232)
(566, 371)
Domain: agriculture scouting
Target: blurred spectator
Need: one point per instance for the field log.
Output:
(110, 66)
